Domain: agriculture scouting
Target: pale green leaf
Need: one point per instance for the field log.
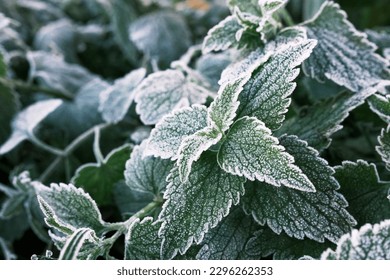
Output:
(249, 6)
(163, 92)
(147, 174)
(380, 105)
(166, 137)
(251, 151)
(343, 54)
(194, 207)
(384, 148)
(365, 192)
(318, 216)
(115, 101)
(370, 242)
(74, 243)
(26, 120)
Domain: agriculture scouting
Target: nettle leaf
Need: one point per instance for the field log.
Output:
(163, 92)
(343, 54)
(147, 174)
(142, 241)
(370, 242)
(98, 179)
(74, 243)
(166, 137)
(319, 122)
(25, 121)
(380, 105)
(228, 239)
(115, 101)
(251, 151)
(194, 207)
(384, 148)
(249, 6)
(266, 94)
(316, 215)
(365, 192)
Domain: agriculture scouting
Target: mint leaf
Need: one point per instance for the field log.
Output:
(25, 122)
(251, 151)
(266, 94)
(166, 137)
(142, 241)
(115, 101)
(343, 54)
(147, 174)
(380, 105)
(249, 6)
(197, 205)
(370, 242)
(365, 192)
(98, 179)
(74, 243)
(316, 215)
(384, 148)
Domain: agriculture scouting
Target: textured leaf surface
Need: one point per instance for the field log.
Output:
(142, 241)
(343, 54)
(192, 208)
(380, 105)
(384, 148)
(266, 94)
(370, 242)
(251, 151)
(166, 137)
(147, 174)
(74, 243)
(365, 192)
(116, 100)
(25, 122)
(316, 215)
(98, 179)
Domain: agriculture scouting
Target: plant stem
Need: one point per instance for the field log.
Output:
(286, 17)
(45, 146)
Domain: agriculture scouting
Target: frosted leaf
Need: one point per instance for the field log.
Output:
(147, 174)
(249, 6)
(266, 94)
(163, 92)
(166, 137)
(26, 120)
(251, 151)
(370, 242)
(73, 244)
(365, 192)
(115, 101)
(194, 207)
(228, 239)
(318, 216)
(222, 36)
(380, 105)
(319, 122)
(98, 179)
(265, 242)
(384, 148)
(343, 54)
(142, 241)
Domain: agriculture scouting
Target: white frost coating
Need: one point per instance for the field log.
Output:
(251, 151)
(343, 55)
(163, 92)
(380, 105)
(74, 243)
(384, 148)
(165, 139)
(25, 122)
(370, 242)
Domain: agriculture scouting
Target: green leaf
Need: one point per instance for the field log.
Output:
(222, 36)
(194, 207)
(163, 92)
(251, 151)
(370, 242)
(115, 101)
(319, 122)
(316, 215)
(249, 6)
(98, 179)
(384, 148)
(343, 54)
(13, 206)
(147, 174)
(74, 243)
(228, 239)
(380, 105)
(26, 120)
(166, 137)
(142, 241)
(266, 94)
(365, 192)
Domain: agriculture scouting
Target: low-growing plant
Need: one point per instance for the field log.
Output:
(191, 132)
